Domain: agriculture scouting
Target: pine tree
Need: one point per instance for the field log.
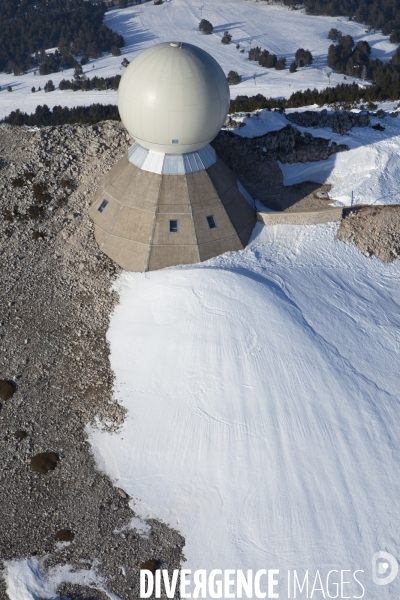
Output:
(303, 57)
(267, 59)
(280, 64)
(49, 87)
(334, 34)
(78, 72)
(255, 53)
(226, 39)
(234, 78)
(206, 27)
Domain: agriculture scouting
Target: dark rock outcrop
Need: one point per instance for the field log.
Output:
(288, 145)
(339, 121)
(255, 161)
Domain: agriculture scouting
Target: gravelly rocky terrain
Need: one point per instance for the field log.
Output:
(55, 307)
(375, 230)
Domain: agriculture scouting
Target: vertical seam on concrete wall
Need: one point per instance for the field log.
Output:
(112, 223)
(146, 266)
(223, 205)
(191, 214)
(117, 215)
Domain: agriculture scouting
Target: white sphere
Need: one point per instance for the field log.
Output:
(173, 98)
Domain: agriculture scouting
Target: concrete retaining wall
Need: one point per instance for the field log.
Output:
(306, 217)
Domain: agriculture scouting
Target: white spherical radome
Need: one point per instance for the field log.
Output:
(173, 98)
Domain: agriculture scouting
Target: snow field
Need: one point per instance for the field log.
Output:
(262, 390)
(370, 169)
(262, 386)
(25, 579)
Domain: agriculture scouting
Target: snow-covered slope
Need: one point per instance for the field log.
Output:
(272, 27)
(262, 390)
(370, 170)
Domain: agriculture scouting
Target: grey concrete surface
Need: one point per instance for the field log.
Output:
(133, 229)
(306, 217)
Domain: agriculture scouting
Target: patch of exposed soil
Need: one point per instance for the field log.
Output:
(375, 230)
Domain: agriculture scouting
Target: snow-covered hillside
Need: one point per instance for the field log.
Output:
(369, 171)
(275, 28)
(262, 390)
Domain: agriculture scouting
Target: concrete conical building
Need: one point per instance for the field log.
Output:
(170, 200)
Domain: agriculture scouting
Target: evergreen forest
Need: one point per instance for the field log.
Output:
(75, 27)
(377, 14)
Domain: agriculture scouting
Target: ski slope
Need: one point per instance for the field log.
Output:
(263, 399)
(274, 28)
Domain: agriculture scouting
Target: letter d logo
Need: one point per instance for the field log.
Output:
(380, 568)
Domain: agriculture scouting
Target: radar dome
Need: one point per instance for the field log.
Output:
(173, 98)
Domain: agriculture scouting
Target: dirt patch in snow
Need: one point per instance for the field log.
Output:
(375, 230)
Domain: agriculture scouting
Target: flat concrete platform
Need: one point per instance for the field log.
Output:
(305, 217)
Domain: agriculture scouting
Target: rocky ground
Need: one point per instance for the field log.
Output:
(340, 121)
(375, 230)
(55, 307)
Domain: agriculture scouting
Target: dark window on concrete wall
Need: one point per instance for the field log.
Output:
(173, 226)
(211, 222)
(102, 206)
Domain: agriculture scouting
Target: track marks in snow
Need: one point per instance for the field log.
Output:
(285, 456)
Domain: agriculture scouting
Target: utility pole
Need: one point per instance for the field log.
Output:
(329, 77)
